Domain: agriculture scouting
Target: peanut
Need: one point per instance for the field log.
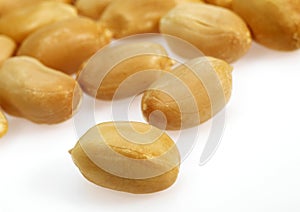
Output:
(31, 90)
(216, 31)
(92, 8)
(7, 46)
(221, 3)
(7, 6)
(21, 22)
(188, 95)
(65, 45)
(3, 124)
(274, 23)
(104, 76)
(128, 17)
(127, 156)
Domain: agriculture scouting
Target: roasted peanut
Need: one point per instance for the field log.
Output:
(127, 156)
(7, 46)
(91, 8)
(65, 45)
(221, 3)
(139, 64)
(188, 95)
(3, 124)
(216, 31)
(274, 23)
(31, 90)
(19, 23)
(7, 6)
(128, 17)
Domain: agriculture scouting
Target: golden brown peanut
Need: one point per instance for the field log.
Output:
(19, 23)
(33, 91)
(221, 3)
(274, 23)
(7, 48)
(122, 71)
(92, 8)
(6, 6)
(128, 17)
(65, 45)
(3, 124)
(188, 95)
(216, 31)
(127, 156)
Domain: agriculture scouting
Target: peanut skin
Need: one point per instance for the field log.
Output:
(33, 91)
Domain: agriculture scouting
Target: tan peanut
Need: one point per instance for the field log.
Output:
(33, 91)
(127, 156)
(274, 23)
(7, 48)
(216, 31)
(19, 23)
(3, 124)
(128, 17)
(221, 3)
(92, 8)
(188, 95)
(7, 6)
(65, 45)
(123, 70)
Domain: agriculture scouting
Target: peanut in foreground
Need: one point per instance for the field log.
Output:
(33, 91)
(127, 156)
(121, 71)
(65, 45)
(189, 95)
(216, 31)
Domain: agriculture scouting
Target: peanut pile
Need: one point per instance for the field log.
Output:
(46, 46)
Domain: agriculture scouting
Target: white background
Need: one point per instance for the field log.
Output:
(256, 168)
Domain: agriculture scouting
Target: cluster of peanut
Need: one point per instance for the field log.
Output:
(44, 42)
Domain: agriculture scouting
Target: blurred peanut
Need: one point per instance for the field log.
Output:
(7, 6)
(19, 23)
(92, 8)
(274, 23)
(3, 124)
(128, 17)
(7, 48)
(216, 31)
(65, 45)
(221, 3)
